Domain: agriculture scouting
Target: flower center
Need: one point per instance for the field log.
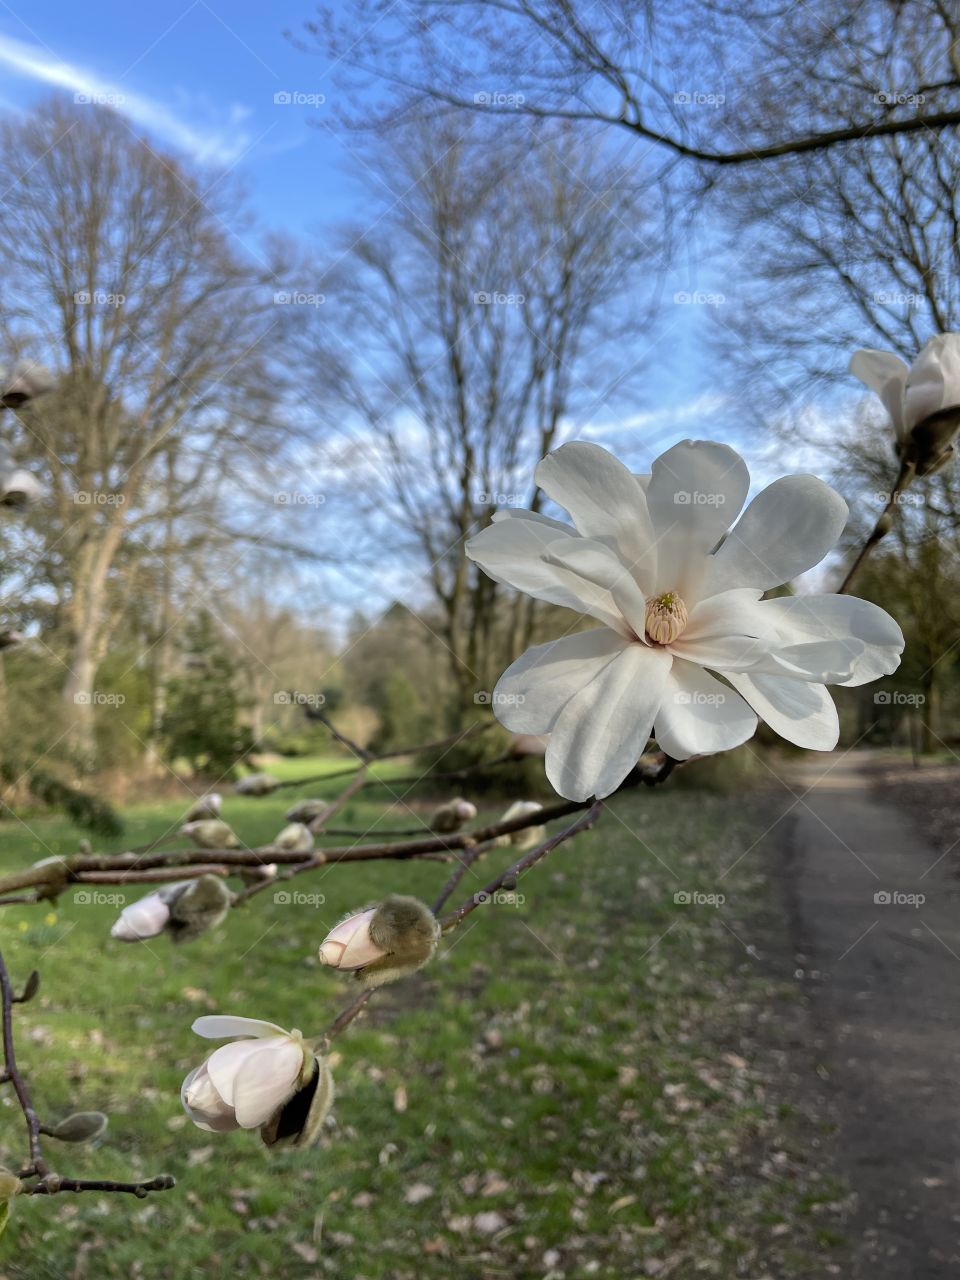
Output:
(666, 617)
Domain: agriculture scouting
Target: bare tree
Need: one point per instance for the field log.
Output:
(645, 66)
(476, 317)
(118, 268)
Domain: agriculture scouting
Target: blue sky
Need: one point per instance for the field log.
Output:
(201, 78)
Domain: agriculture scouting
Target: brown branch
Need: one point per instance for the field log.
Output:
(516, 869)
(881, 528)
(49, 1183)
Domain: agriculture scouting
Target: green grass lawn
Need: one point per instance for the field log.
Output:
(561, 1094)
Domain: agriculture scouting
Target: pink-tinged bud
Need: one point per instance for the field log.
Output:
(349, 945)
(143, 919)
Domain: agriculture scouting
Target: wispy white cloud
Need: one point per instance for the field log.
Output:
(217, 144)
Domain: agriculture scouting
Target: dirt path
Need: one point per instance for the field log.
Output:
(882, 981)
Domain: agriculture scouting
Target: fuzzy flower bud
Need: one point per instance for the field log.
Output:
(307, 811)
(529, 836)
(207, 806)
(210, 833)
(383, 943)
(451, 816)
(184, 910)
(256, 784)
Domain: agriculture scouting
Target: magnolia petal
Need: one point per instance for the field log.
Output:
(788, 528)
(204, 1105)
(224, 1063)
(802, 712)
(143, 919)
(604, 501)
(872, 639)
(698, 715)
(511, 552)
(933, 382)
(600, 570)
(886, 374)
(695, 493)
(602, 731)
(533, 517)
(218, 1026)
(533, 691)
(266, 1080)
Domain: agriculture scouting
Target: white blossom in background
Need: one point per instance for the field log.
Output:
(922, 399)
(18, 488)
(678, 594)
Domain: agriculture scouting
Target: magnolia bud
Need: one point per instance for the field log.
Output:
(529, 836)
(26, 380)
(206, 807)
(82, 1126)
(210, 833)
(145, 918)
(256, 784)
(199, 907)
(297, 837)
(385, 942)
(10, 1185)
(451, 816)
(307, 811)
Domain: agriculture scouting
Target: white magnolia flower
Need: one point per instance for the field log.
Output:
(678, 594)
(913, 394)
(242, 1085)
(18, 488)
